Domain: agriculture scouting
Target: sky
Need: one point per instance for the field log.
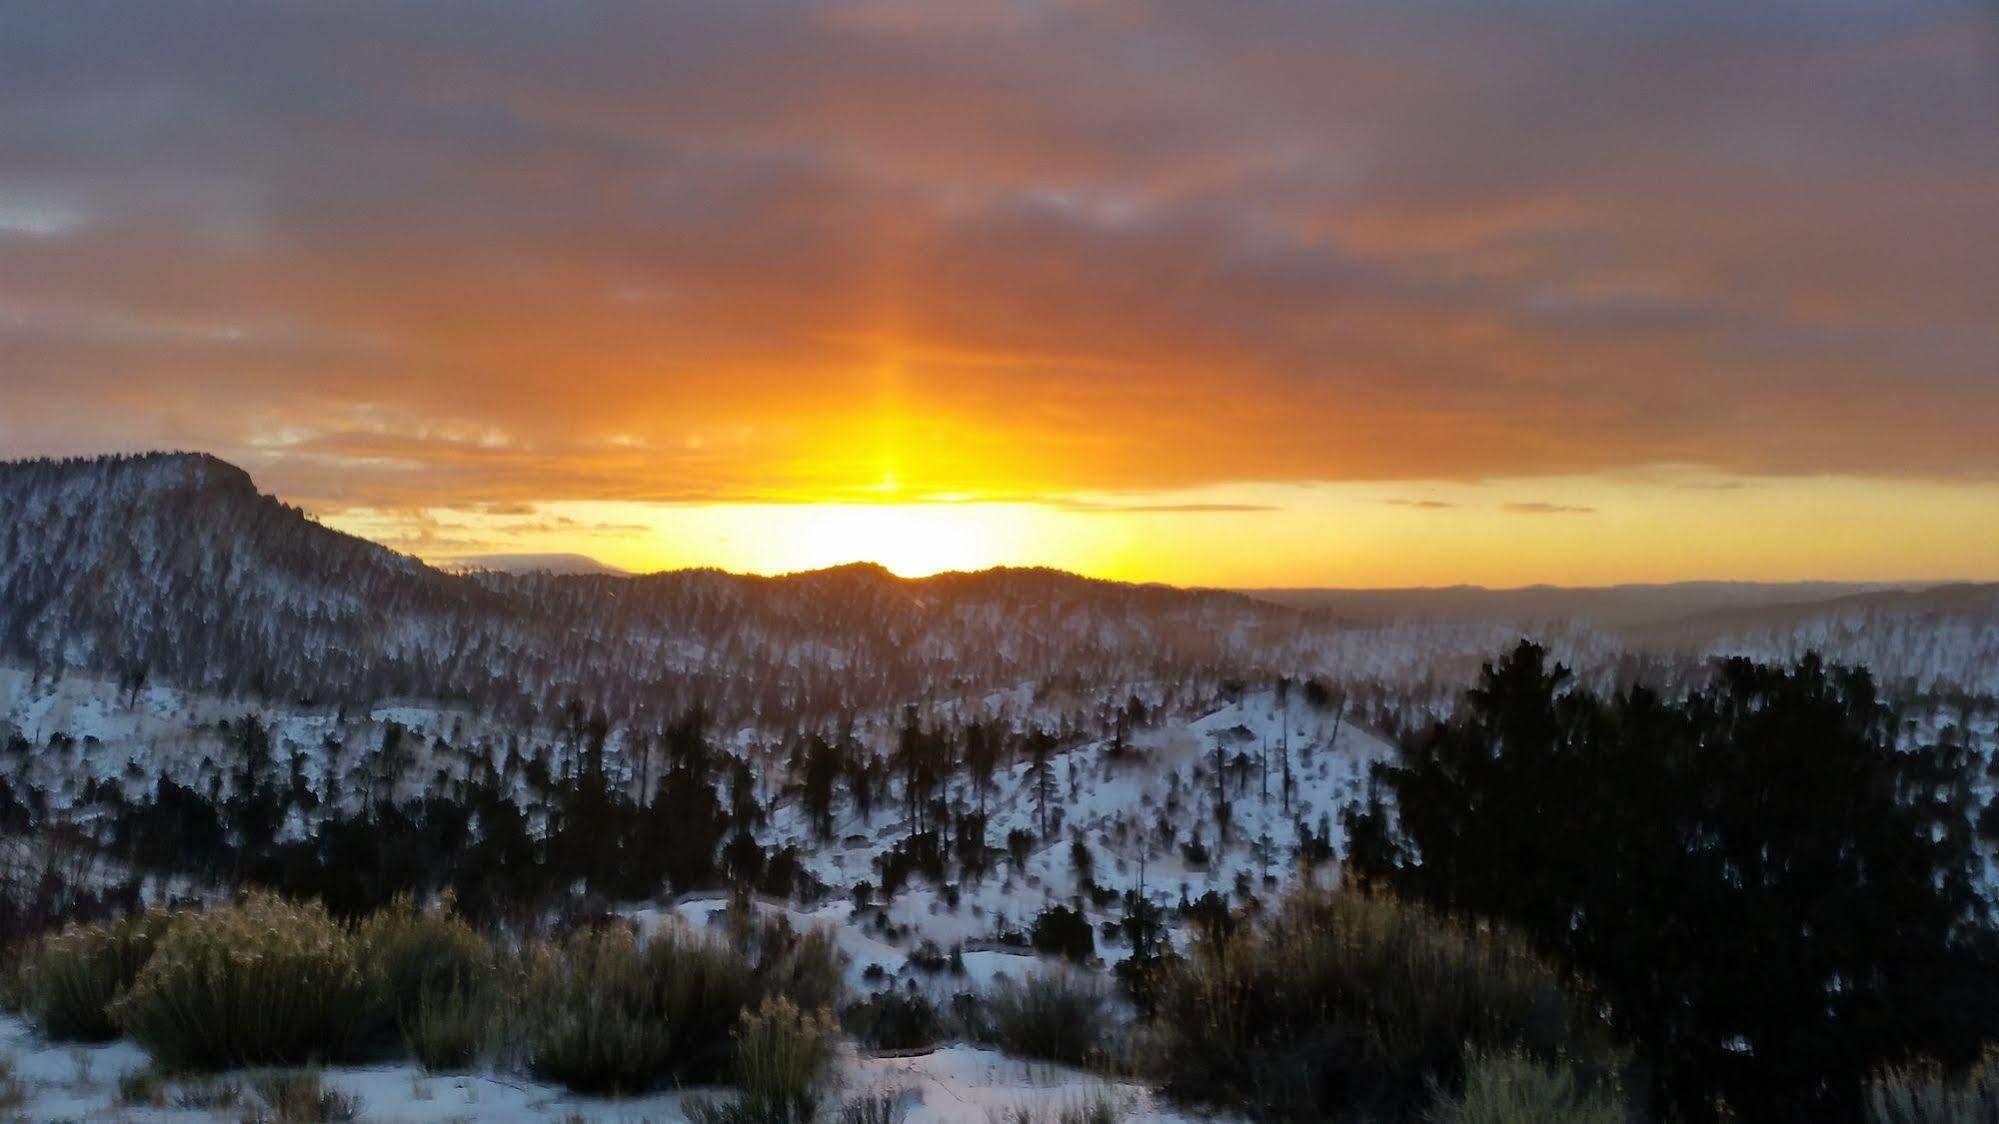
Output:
(1245, 293)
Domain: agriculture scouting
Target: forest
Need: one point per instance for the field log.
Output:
(1755, 900)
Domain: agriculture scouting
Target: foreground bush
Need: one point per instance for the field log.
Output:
(1345, 1004)
(1056, 1016)
(1923, 1094)
(594, 1024)
(417, 955)
(608, 1014)
(266, 982)
(1511, 1088)
(70, 982)
(434, 976)
(781, 1059)
(448, 1030)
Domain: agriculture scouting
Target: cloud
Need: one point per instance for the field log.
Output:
(505, 508)
(1089, 507)
(1537, 508)
(391, 256)
(1427, 505)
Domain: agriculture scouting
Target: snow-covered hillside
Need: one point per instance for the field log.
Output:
(194, 678)
(172, 569)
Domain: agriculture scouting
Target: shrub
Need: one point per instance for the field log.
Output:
(415, 956)
(892, 1020)
(781, 1056)
(809, 973)
(1512, 1088)
(1921, 1093)
(71, 980)
(615, 1016)
(1097, 1109)
(299, 1097)
(597, 1027)
(1055, 1016)
(1346, 1004)
(1209, 915)
(266, 982)
(802, 967)
(142, 1088)
(873, 1108)
(207, 1095)
(701, 987)
(1064, 932)
(448, 1030)
(13, 1094)
(927, 957)
(13, 977)
(433, 974)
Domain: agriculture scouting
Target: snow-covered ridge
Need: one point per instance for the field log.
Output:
(171, 568)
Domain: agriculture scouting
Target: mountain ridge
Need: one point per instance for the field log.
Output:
(174, 566)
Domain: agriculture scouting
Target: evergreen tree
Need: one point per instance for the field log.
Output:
(1774, 897)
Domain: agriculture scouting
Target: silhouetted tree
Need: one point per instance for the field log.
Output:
(1768, 890)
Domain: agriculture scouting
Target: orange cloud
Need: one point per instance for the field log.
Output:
(858, 252)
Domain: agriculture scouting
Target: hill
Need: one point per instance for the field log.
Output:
(173, 568)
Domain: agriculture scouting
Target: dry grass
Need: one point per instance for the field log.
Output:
(300, 1097)
(1511, 1088)
(1923, 1094)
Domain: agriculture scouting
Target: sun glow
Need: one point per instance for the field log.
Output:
(1576, 531)
(912, 540)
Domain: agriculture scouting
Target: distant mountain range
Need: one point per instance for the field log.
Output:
(173, 568)
(1618, 606)
(556, 563)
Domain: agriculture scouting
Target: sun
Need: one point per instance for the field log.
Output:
(910, 540)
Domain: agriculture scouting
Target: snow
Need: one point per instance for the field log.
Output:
(969, 1083)
(953, 1083)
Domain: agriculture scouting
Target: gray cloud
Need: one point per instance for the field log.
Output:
(396, 254)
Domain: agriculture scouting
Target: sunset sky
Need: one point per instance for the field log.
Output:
(1236, 293)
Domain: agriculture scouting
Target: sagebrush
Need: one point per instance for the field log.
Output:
(71, 980)
(612, 1014)
(1922, 1093)
(1353, 1004)
(1059, 1016)
(1512, 1088)
(781, 1059)
(265, 982)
